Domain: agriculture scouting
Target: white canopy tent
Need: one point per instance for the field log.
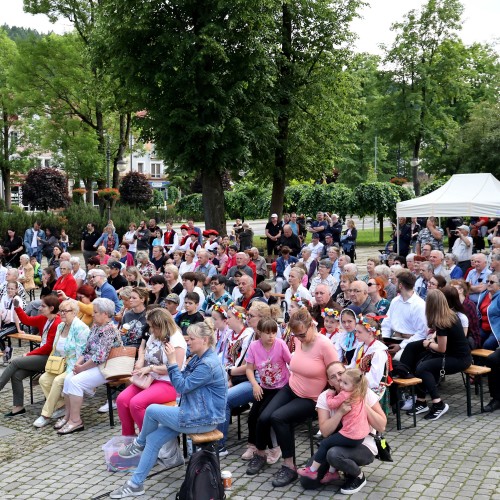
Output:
(464, 195)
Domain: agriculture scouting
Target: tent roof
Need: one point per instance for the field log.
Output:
(462, 195)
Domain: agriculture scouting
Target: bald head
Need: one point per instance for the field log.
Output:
(322, 295)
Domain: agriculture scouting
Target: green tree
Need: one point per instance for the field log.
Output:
(9, 109)
(46, 188)
(377, 198)
(425, 62)
(312, 90)
(199, 69)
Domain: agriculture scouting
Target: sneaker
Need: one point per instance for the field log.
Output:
(131, 450)
(60, 412)
(330, 477)
(105, 408)
(128, 490)
(223, 451)
(307, 472)
(284, 477)
(41, 421)
(353, 485)
(437, 410)
(254, 466)
(248, 455)
(420, 407)
(273, 455)
(408, 403)
(318, 434)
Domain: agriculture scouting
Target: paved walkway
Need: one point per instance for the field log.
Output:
(454, 457)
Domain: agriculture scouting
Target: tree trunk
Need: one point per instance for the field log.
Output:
(381, 229)
(5, 162)
(213, 201)
(281, 151)
(89, 195)
(122, 146)
(414, 170)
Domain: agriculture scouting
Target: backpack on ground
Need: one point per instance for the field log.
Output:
(203, 479)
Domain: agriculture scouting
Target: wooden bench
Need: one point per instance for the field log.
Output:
(32, 339)
(477, 372)
(481, 353)
(405, 383)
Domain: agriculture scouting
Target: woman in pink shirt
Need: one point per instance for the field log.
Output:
(355, 426)
(296, 401)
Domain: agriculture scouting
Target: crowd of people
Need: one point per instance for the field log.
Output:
(213, 331)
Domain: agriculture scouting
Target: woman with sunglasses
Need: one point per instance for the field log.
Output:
(488, 307)
(69, 343)
(378, 295)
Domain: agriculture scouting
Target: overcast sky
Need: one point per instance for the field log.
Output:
(481, 20)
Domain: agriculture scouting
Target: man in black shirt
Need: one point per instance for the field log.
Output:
(288, 239)
(273, 234)
(142, 236)
(115, 279)
(89, 237)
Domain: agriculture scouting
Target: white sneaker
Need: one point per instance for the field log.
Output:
(408, 404)
(41, 421)
(105, 408)
(60, 412)
(318, 434)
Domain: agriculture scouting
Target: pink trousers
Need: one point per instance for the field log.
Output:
(132, 403)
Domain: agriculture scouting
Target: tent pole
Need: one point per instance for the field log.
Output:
(397, 231)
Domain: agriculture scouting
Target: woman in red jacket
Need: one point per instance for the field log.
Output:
(66, 283)
(33, 361)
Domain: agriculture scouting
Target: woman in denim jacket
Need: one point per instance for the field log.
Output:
(109, 240)
(203, 389)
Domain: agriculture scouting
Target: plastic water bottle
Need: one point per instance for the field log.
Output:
(189, 446)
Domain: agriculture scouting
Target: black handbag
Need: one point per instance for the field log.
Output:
(383, 448)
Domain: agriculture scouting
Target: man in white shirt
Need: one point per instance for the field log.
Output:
(462, 248)
(406, 316)
(477, 277)
(78, 273)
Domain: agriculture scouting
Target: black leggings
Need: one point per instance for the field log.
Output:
(335, 439)
(493, 361)
(284, 410)
(415, 357)
(257, 408)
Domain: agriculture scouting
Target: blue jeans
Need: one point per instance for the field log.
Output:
(161, 424)
(489, 340)
(238, 395)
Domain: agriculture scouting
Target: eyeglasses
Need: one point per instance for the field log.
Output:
(65, 311)
(372, 284)
(490, 282)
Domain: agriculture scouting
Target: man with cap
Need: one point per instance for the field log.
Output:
(115, 279)
(462, 248)
(273, 234)
(172, 302)
(316, 246)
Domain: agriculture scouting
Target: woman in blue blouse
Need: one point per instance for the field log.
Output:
(203, 389)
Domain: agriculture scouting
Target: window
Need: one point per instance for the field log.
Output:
(140, 168)
(156, 170)
(47, 162)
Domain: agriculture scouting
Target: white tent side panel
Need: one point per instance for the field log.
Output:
(463, 195)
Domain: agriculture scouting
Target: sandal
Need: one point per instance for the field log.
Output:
(69, 429)
(60, 423)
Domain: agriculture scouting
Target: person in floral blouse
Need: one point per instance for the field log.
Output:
(145, 266)
(86, 375)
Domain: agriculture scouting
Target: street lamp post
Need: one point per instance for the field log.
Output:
(108, 161)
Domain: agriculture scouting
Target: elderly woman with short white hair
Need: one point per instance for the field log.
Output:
(451, 261)
(86, 375)
(26, 273)
(78, 273)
